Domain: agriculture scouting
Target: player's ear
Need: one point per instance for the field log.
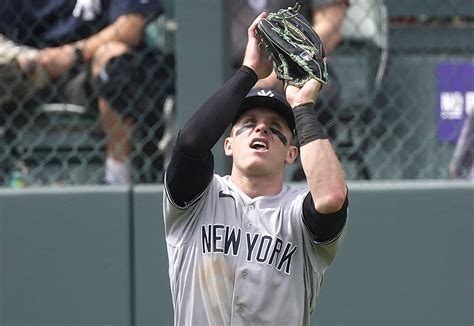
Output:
(292, 154)
(228, 146)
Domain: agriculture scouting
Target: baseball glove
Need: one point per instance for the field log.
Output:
(296, 50)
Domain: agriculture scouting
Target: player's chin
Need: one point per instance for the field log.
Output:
(259, 165)
(257, 160)
(260, 157)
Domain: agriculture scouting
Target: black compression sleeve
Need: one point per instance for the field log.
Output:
(191, 166)
(209, 122)
(187, 177)
(324, 227)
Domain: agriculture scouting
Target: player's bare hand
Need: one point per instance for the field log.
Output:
(305, 95)
(57, 60)
(256, 57)
(28, 60)
(271, 82)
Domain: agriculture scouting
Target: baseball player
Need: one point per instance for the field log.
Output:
(247, 249)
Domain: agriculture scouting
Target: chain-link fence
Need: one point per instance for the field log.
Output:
(98, 105)
(404, 69)
(423, 59)
(400, 85)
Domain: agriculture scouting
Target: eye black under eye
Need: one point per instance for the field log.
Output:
(280, 135)
(245, 127)
(275, 130)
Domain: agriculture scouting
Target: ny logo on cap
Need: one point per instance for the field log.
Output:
(265, 93)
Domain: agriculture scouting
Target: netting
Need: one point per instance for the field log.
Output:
(48, 136)
(404, 66)
(402, 86)
(405, 74)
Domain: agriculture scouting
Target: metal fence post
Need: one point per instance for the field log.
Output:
(201, 58)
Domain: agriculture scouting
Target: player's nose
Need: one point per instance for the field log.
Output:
(261, 128)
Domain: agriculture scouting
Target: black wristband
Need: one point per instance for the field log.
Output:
(78, 56)
(308, 127)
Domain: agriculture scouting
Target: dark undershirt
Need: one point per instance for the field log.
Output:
(191, 168)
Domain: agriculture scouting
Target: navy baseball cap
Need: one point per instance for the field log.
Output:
(267, 98)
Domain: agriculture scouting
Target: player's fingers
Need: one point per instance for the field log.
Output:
(309, 91)
(253, 26)
(312, 86)
(303, 95)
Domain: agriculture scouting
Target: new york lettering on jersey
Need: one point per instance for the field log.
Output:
(263, 249)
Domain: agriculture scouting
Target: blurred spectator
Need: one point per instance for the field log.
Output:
(92, 51)
(327, 17)
(462, 162)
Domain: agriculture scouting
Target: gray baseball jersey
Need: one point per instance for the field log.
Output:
(234, 260)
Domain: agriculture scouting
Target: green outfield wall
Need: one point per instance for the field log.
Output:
(97, 256)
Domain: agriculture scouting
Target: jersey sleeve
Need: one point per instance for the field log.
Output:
(319, 254)
(324, 227)
(181, 221)
(186, 178)
(123, 7)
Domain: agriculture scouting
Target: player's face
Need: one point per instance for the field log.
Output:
(261, 142)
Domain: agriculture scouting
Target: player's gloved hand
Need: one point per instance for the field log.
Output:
(297, 51)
